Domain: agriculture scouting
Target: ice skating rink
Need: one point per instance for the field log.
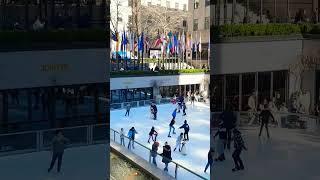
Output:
(288, 154)
(79, 163)
(198, 118)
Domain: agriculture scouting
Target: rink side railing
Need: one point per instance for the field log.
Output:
(288, 120)
(141, 150)
(36, 141)
(134, 104)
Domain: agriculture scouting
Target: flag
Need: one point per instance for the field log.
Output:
(117, 44)
(124, 41)
(200, 44)
(158, 40)
(131, 41)
(183, 42)
(141, 43)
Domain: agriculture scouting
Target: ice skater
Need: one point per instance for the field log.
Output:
(180, 101)
(131, 134)
(154, 153)
(192, 99)
(166, 155)
(210, 159)
(154, 110)
(128, 107)
(172, 127)
(122, 137)
(265, 115)
(178, 142)
(151, 134)
(174, 113)
(184, 147)
(238, 147)
(229, 120)
(222, 133)
(58, 146)
(186, 128)
(184, 107)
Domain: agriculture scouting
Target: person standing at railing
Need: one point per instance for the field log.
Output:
(166, 155)
(58, 146)
(172, 127)
(154, 151)
(186, 128)
(229, 119)
(151, 134)
(128, 107)
(265, 115)
(210, 159)
(131, 134)
(122, 137)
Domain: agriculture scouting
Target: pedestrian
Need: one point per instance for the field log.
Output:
(238, 147)
(265, 115)
(222, 133)
(128, 107)
(151, 134)
(210, 159)
(178, 142)
(174, 113)
(58, 146)
(184, 147)
(166, 155)
(172, 127)
(154, 153)
(184, 107)
(186, 128)
(131, 134)
(122, 137)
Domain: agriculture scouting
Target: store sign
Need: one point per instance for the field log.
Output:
(54, 67)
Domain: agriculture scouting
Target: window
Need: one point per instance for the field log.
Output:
(149, 3)
(184, 7)
(176, 6)
(196, 4)
(168, 4)
(184, 23)
(207, 3)
(130, 3)
(195, 24)
(206, 22)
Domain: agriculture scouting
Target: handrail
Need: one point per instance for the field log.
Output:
(278, 112)
(179, 165)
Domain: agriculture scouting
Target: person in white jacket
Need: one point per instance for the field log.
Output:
(253, 108)
(178, 142)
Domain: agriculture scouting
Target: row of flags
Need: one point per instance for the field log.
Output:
(170, 43)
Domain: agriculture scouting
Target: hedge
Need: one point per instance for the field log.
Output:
(61, 36)
(240, 30)
(159, 73)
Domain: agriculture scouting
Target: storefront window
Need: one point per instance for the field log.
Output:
(232, 91)
(280, 85)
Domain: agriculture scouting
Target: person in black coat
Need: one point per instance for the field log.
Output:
(210, 159)
(229, 119)
(154, 151)
(265, 115)
(184, 107)
(166, 155)
(172, 127)
(238, 147)
(186, 128)
(154, 110)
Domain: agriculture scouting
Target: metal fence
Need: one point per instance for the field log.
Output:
(139, 103)
(174, 169)
(35, 141)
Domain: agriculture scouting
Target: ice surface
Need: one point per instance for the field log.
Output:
(198, 118)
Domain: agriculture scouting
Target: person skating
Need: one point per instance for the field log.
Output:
(174, 113)
(131, 134)
(128, 107)
(180, 101)
(229, 119)
(122, 137)
(166, 155)
(151, 134)
(210, 159)
(222, 133)
(154, 111)
(184, 107)
(238, 147)
(186, 128)
(192, 99)
(154, 151)
(184, 147)
(58, 146)
(172, 127)
(178, 142)
(265, 115)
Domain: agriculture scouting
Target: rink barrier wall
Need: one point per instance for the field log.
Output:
(310, 123)
(115, 137)
(36, 141)
(141, 103)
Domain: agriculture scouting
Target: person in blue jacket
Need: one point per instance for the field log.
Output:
(174, 113)
(186, 128)
(131, 134)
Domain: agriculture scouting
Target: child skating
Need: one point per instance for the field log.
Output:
(238, 147)
(178, 142)
(153, 135)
